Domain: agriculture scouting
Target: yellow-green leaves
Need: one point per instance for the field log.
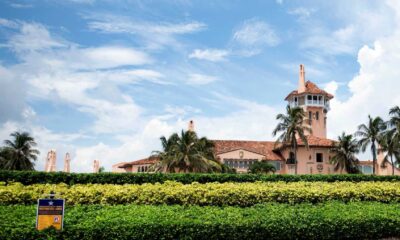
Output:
(219, 194)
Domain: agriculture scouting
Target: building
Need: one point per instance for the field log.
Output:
(314, 160)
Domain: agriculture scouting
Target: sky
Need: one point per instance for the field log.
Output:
(104, 79)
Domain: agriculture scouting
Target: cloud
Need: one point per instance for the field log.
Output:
(374, 90)
(254, 32)
(252, 36)
(301, 12)
(153, 34)
(200, 79)
(213, 55)
(21, 5)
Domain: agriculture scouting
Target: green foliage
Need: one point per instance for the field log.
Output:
(19, 153)
(344, 154)
(186, 153)
(215, 194)
(32, 177)
(289, 127)
(262, 167)
(331, 220)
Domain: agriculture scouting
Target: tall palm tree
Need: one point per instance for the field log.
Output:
(391, 147)
(292, 125)
(187, 153)
(370, 135)
(19, 153)
(344, 154)
(394, 122)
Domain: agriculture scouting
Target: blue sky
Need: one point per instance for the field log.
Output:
(105, 79)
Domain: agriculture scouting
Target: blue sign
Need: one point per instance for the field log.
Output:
(50, 212)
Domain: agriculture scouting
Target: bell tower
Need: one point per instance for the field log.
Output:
(314, 101)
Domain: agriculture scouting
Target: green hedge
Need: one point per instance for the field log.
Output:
(28, 177)
(215, 194)
(273, 221)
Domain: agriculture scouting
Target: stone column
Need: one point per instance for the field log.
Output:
(51, 161)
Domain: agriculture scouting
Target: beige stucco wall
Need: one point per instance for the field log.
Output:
(243, 154)
(318, 126)
(307, 162)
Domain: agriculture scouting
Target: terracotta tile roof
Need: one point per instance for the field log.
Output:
(265, 148)
(316, 141)
(311, 88)
(145, 161)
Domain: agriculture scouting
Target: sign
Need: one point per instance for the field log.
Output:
(50, 212)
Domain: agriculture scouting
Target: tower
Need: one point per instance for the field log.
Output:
(96, 166)
(191, 126)
(51, 161)
(314, 101)
(67, 162)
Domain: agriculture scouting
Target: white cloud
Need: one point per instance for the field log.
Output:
(21, 5)
(8, 23)
(302, 12)
(200, 79)
(153, 34)
(254, 32)
(374, 90)
(214, 55)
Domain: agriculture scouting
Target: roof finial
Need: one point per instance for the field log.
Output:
(191, 126)
(302, 81)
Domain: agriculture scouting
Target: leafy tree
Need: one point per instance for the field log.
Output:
(344, 154)
(370, 134)
(292, 125)
(19, 153)
(391, 147)
(102, 169)
(262, 167)
(186, 153)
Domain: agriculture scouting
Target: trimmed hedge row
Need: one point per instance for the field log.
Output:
(217, 194)
(30, 177)
(272, 221)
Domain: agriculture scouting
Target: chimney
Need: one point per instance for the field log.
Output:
(67, 161)
(191, 126)
(96, 166)
(302, 81)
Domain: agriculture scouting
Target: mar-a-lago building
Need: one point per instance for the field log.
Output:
(240, 154)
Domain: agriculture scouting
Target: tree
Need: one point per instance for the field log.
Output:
(262, 167)
(291, 126)
(370, 135)
(19, 153)
(102, 169)
(344, 154)
(186, 153)
(391, 147)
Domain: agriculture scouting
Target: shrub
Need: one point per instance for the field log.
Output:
(217, 194)
(31, 177)
(271, 221)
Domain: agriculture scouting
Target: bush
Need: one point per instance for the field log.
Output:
(30, 177)
(271, 221)
(216, 194)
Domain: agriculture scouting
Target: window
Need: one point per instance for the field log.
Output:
(317, 115)
(320, 157)
(309, 97)
(276, 164)
(365, 169)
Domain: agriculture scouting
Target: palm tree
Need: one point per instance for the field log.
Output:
(291, 126)
(391, 147)
(262, 167)
(19, 154)
(370, 135)
(344, 154)
(187, 153)
(394, 122)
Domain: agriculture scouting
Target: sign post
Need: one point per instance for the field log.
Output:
(50, 212)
